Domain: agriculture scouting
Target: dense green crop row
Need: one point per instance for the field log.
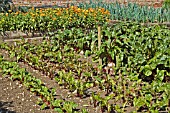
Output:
(132, 12)
(146, 50)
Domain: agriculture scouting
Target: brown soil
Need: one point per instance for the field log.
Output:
(27, 106)
(14, 98)
(60, 91)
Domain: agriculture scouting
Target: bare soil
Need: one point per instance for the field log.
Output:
(14, 98)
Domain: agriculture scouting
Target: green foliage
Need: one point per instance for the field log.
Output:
(140, 57)
(166, 4)
(145, 49)
(137, 78)
(132, 12)
(36, 86)
(43, 20)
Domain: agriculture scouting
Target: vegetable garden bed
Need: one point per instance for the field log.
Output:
(58, 58)
(121, 67)
(15, 35)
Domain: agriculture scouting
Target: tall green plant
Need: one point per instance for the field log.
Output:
(166, 4)
(132, 11)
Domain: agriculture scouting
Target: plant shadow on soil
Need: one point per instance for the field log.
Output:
(3, 107)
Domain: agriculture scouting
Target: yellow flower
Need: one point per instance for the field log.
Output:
(107, 20)
(16, 13)
(91, 10)
(102, 9)
(32, 14)
(6, 14)
(83, 10)
(42, 14)
(107, 12)
(58, 13)
(32, 8)
(9, 11)
(54, 18)
(79, 9)
(94, 15)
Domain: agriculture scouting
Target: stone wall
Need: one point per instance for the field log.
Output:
(155, 3)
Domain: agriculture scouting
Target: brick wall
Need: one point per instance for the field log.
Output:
(44, 2)
(155, 3)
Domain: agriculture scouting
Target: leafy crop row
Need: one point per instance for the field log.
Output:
(136, 51)
(36, 86)
(139, 57)
(131, 11)
(52, 19)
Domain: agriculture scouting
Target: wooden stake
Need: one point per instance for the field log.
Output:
(1, 39)
(99, 42)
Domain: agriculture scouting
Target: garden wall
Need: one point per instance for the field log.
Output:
(155, 3)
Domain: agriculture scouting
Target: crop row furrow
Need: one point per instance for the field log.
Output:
(47, 96)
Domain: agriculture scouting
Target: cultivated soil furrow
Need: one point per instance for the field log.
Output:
(60, 91)
(14, 98)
